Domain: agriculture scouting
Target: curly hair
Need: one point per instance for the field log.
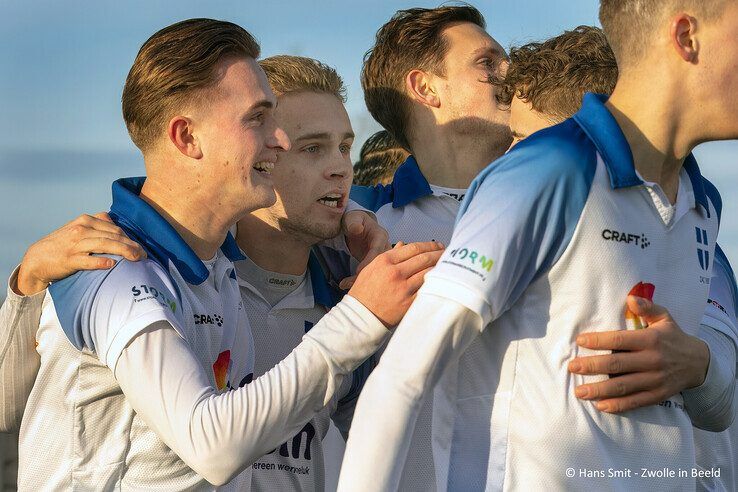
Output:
(379, 158)
(554, 75)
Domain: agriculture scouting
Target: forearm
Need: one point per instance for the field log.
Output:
(432, 335)
(711, 405)
(19, 361)
(218, 435)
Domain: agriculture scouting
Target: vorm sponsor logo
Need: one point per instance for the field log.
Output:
(626, 237)
(472, 257)
(150, 292)
(206, 319)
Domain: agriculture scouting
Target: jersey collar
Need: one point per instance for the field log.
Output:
(602, 128)
(409, 184)
(145, 226)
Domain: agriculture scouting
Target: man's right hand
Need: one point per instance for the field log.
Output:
(388, 285)
(69, 249)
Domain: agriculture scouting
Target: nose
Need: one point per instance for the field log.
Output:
(278, 139)
(339, 166)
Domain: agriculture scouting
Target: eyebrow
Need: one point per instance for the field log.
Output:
(494, 49)
(263, 104)
(322, 136)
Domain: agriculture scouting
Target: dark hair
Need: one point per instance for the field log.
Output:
(171, 66)
(380, 157)
(412, 39)
(554, 75)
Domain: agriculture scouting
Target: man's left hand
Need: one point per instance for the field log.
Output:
(365, 239)
(654, 363)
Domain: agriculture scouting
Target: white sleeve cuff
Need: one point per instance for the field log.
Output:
(460, 293)
(36, 299)
(131, 330)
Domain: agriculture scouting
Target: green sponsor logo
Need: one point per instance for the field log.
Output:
(474, 258)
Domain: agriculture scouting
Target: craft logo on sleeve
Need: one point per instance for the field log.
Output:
(145, 292)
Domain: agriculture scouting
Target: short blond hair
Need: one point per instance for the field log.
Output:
(289, 74)
(172, 66)
(628, 24)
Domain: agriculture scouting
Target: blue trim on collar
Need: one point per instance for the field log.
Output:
(321, 291)
(145, 226)
(602, 128)
(409, 184)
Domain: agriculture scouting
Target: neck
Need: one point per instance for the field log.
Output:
(659, 137)
(453, 161)
(194, 218)
(270, 248)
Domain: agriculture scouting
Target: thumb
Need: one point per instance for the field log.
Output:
(353, 223)
(646, 309)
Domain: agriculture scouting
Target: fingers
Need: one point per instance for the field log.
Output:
(353, 222)
(404, 252)
(616, 340)
(623, 362)
(415, 282)
(646, 309)
(96, 223)
(419, 262)
(103, 216)
(630, 402)
(622, 386)
(86, 262)
(132, 252)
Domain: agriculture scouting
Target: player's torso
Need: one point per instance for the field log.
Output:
(518, 422)
(298, 463)
(106, 445)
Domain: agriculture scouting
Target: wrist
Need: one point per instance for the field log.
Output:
(26, 283)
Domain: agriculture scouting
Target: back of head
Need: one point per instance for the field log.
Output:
(291, 74)
(631, 24)
(554, 75)
(379, 158)
(172, 68)
(412, 39)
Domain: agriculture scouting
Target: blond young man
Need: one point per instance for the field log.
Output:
(511, 431)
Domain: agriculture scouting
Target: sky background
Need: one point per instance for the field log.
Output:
(63, 66)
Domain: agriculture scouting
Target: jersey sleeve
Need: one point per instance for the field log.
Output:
(19, 361)
(515, 223)
(711, 405)
(103, 310)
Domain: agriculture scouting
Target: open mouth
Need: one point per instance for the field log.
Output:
(332, 200)
(264, 167)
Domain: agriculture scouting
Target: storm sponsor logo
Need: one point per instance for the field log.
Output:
(144, 292)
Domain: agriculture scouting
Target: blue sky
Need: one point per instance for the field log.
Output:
(62, 138)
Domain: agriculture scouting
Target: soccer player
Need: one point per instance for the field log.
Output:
(533, 267)
(146, 369)
(543, 86)
(379, 158)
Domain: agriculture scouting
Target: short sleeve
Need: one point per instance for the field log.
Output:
(516, 221)
(103, 310)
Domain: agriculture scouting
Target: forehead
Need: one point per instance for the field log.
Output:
(305, 113)
(242, 79)
(465, 38)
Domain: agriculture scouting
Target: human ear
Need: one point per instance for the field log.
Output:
(420, 86)
(180, 133)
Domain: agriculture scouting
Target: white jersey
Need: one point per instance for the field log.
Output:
(551, 239)
(76, 412)
(282, 309)
(413, 210)
(717, 452)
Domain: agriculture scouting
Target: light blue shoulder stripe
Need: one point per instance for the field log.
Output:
(555, 168)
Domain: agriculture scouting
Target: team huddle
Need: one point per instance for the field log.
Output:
(518, 287)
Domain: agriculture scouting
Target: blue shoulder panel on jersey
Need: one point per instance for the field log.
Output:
(73, 298)
(161, 241)
(322, 292)
(408, 184)
(722, 260)
(714, 195)
(553, 170)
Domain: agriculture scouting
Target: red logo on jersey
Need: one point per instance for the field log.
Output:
(220, 369)
(644, 290)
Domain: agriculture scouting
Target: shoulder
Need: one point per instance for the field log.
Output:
(558, 162)
(372, 197)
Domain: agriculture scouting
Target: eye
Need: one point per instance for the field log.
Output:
(311, 149)
(345, 148)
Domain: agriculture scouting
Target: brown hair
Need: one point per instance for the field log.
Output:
(412, 39)
(171, 66)
(554, 75)
(629, 23)
(288, 74)
(379, 158)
